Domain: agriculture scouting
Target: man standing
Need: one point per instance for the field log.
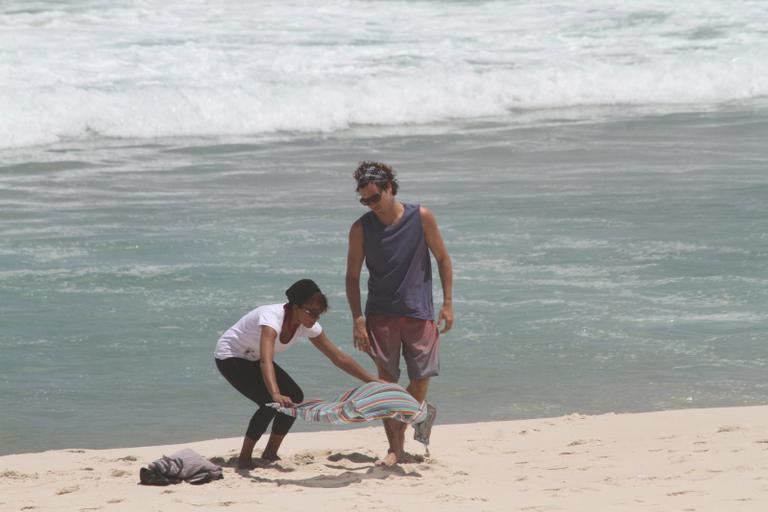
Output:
(395, 239)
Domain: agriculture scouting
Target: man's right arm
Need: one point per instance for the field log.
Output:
(355, 258)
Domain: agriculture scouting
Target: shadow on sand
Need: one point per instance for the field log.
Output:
(342, 479)
(232, 462)
(348, 476)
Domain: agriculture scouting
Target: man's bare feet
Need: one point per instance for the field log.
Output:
(389, 460)
(271, 457)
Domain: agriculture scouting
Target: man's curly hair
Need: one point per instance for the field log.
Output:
(388, 176)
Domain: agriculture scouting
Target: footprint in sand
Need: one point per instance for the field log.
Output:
(68, 490)
(729, 428)
(304, 458)
(15, 475)
(451, 498)
(580, 442)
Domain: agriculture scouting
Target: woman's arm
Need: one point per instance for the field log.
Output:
(340, 359)
(267, 347)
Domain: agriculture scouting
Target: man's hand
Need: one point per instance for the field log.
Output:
(360, 335)
(445, 318)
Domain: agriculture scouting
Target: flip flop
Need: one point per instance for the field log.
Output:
(423, 429)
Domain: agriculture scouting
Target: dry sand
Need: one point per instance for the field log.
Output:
(691, 460)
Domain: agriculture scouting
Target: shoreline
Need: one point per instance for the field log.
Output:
(690, 459)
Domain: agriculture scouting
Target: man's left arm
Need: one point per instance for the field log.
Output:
(444, 266)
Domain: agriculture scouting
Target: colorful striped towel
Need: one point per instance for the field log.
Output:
(371, 401)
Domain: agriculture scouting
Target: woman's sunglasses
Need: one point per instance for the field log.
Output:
(312, 314)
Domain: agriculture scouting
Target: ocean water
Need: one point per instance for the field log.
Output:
(599, 171)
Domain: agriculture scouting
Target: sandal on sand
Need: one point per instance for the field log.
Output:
(423, 429)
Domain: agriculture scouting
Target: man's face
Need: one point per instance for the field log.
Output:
(373, 197)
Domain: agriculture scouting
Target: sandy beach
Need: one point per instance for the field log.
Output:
(687, 460)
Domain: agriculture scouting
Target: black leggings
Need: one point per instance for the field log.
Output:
(246, 377)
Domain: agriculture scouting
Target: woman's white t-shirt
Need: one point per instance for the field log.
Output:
(244, 338)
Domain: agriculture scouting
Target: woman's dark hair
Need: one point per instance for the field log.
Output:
(375, 172)
(306, 290)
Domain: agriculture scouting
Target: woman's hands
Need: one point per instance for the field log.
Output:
(284, 401)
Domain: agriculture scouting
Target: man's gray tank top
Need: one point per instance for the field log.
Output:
(399, 268)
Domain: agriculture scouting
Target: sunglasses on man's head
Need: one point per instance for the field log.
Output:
(375, 198)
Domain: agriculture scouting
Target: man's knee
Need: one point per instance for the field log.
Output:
(386, 375)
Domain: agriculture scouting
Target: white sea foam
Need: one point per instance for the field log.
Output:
(573, 243)
(734, 317)
(155, 69)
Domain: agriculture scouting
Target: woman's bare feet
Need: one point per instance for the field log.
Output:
(245, 464)
(244, 461)
(270, 451)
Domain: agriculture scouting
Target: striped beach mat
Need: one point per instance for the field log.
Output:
(371, 401)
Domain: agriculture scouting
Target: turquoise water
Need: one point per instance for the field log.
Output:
(603, 262)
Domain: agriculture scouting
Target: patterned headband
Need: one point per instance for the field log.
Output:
(370, 174)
